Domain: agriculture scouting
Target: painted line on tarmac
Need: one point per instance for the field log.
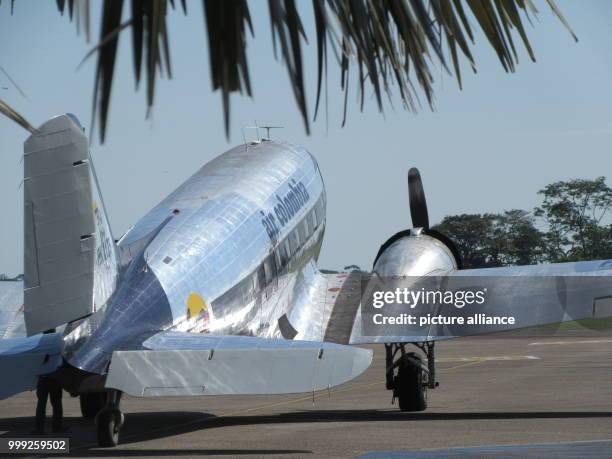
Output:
(582, 448)
(488, 358)
(586, 341)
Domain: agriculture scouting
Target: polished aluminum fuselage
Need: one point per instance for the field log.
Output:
(238, 226)
(221, 254)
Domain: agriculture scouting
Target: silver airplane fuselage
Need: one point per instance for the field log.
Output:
(222, 254)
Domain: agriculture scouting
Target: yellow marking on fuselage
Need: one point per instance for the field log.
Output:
(195, 305)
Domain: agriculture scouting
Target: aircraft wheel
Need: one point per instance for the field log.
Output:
(410, 386)
(91, 404)
(108, 422)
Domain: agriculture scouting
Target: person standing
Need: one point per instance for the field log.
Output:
(49, 387)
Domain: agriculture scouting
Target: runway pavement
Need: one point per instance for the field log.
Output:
(493, 391)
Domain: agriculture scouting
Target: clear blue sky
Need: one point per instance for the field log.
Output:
(488, 148)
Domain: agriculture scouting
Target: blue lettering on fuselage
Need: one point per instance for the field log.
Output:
(104, 250)
(284, 209)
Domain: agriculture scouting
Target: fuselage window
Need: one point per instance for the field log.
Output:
(319, 211)
(287, 249)
(303, 231)
(254, 284)
(261, 277)
(279, 261)
(281, 255)
(308, 225)
(270, 268)
(293, 242)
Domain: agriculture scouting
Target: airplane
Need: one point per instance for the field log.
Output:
(216, 290)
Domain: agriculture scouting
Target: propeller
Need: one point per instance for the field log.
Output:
(420, 218)
(416, 197)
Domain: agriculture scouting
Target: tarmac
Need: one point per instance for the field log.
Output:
(498, 397)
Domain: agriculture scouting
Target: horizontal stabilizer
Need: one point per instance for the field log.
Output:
(196, 364)
(11, 309)
(23, 359)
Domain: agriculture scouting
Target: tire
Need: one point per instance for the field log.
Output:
(108, 424)
(410, 386)
(91, 404)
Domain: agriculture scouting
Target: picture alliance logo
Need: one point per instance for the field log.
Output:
(413, 298)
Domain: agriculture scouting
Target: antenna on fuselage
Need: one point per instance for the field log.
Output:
(254, 142)
(259, 138)
(267, 128)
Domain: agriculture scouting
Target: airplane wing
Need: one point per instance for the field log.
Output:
(534, 295)
(11, 309)
(23, 359)
(549, 294)
(179, 363)
(577, 268)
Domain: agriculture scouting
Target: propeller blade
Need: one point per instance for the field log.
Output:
(416, 197)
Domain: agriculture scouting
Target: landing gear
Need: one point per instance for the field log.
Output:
(411, 384)
(408, 377)
(92, 403)
(109, 421)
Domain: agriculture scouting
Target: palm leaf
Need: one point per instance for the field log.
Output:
(226, 25)
(78, 10)
(10, 113)
(389, 43)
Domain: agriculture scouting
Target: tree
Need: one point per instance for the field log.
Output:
(394, 44)
(6, 277)
(352, 268)
(515, 239)
(471, 233)
(573, 211)
(488, 240)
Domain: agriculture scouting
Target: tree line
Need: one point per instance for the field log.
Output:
(571, 224)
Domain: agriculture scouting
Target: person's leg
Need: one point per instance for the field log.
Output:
(41, 406)
(56, 403)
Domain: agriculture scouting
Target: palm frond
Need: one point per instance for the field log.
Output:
(10, 113)
(79, 11)
(287, 27)
(389, 43)
(105, 69)
(226, 24)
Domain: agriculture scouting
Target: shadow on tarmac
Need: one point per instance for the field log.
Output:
(147, 426)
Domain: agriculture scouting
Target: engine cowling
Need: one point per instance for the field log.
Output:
(417, 252)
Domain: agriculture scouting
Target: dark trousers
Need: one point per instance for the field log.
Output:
(48, 388)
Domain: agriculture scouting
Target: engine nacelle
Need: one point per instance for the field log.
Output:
(417, 252)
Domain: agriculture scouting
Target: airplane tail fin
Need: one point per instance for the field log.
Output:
(70, 261)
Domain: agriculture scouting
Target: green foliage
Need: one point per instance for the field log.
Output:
(573, 212)
(487, 240)
(573, 217)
